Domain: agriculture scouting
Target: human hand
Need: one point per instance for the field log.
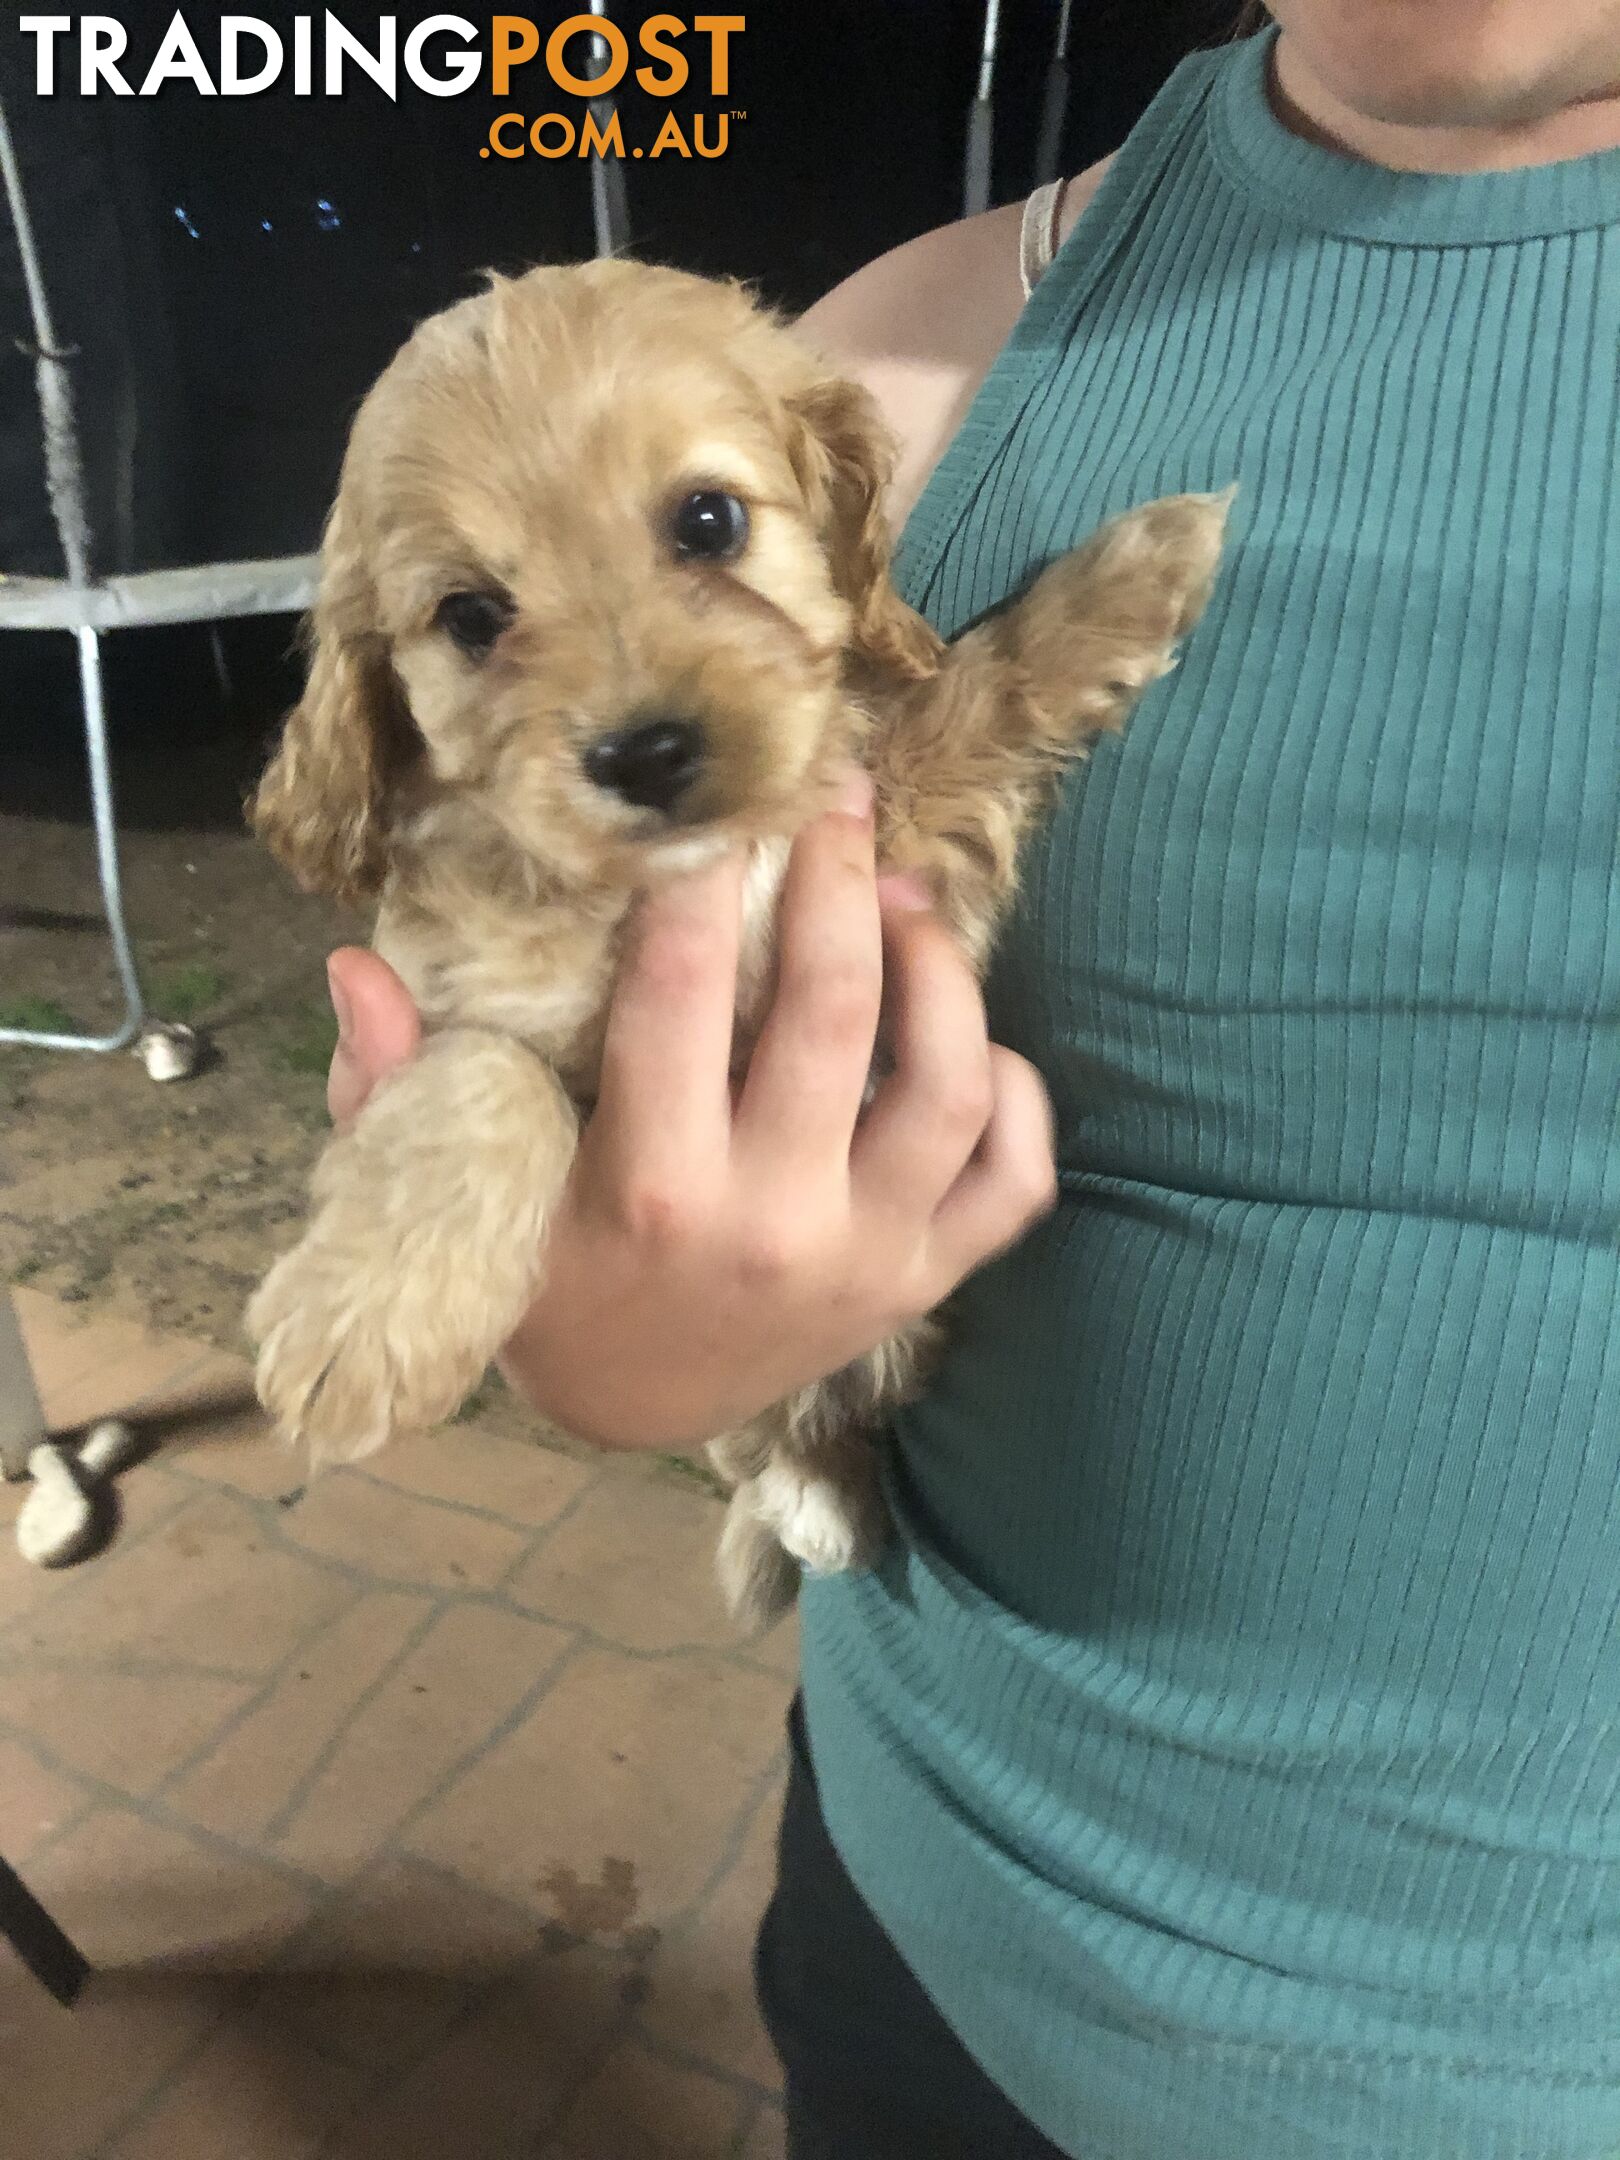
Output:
(717, 1248)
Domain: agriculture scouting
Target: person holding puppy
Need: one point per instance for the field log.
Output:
(1224, 1757)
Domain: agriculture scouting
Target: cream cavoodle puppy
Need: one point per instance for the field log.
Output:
(606, 591)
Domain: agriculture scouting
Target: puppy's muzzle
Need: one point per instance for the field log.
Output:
(650, 766)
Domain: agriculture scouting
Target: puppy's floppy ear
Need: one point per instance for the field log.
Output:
(322, 804)
(844, 459)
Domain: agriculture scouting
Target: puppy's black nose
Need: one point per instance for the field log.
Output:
(651, 766)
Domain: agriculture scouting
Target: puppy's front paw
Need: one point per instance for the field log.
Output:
(1103, 622)
(1160, 560)
(345, 1364)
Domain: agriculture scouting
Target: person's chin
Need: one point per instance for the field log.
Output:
(1433, 95)
(1453, 102)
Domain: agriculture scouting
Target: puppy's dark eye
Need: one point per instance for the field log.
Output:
(710, 526)
(474, 620)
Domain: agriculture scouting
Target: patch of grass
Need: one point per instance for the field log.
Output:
(308, 1049)
(94, 1270)
(26, 1270)
(189, 990)
(43, 1014)
(487, 1395)
(693, 1470)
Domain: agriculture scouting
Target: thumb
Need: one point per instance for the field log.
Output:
(378, 1028)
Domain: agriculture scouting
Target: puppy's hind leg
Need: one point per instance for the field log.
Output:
(805, 1493)
(424, 1249)
(759, 1577)
(818, 1512)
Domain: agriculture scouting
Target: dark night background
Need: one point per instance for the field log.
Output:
(235, 271)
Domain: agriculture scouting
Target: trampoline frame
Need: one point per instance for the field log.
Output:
(86, 607)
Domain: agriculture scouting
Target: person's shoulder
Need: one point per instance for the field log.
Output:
(921, 325)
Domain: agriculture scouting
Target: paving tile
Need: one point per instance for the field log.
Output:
(145, 1496)
(492, 1951)
(88, 1367)
(777, 1652)
(634, 1561)
(701, 1979)
(214, 1385)
(137, 1893)
(34, 1801)
(207, 1589)
(608, 1808)
(139, 1500)
(65, 1341)
(525, 1483)
(232, 1443)
(244, 1783)
(399, 1538)
(71, 2077)
(23, 1589)
(219, 1387)
(127, 1728)
(248, 2093)
(388, 1965)
(464, 1679)
(637, 2107)
(495, 2086)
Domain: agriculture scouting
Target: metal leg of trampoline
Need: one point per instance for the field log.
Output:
(222, 665)
(93, 701)
(55, 1961)
(22, 1421)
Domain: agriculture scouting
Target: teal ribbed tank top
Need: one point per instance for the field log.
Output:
(1231, 1739)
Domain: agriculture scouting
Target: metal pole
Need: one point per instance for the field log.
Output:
(55, 1961)
(1054, 102)
(610, 202)
(64, 479)
(22, 1421)
(106, 823)
(981, 119)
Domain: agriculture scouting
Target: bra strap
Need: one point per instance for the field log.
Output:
(1038, 239)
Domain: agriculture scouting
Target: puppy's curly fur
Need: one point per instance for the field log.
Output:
(508, 585)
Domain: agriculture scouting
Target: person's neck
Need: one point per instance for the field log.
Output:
(1307, 108)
